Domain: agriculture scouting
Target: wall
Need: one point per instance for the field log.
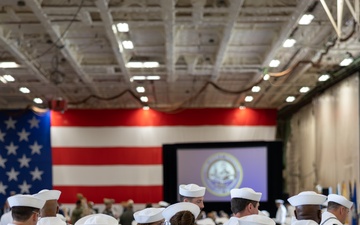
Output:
(323, 145)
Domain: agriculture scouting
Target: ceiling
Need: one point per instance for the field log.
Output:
(210, 52)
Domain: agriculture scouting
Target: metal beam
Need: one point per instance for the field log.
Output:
(58, 40)
(235, 8)
(115, 42)
(168, 12)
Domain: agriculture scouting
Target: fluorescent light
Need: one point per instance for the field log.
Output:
(9, 78)
(249, 98)
(24, 90)
(128, 44)
(266, 77)
(8, 65)
(134, 65)
(144, 99)
(2, 79)
(153, 78)
(122, 27)
(304, 89)
(289, 43)
(38, 100)
(290, 99)
(306, 19)
(324, 77)
(242, 107)
(151, 64)
(255, 89)
(140, 89)
(274, 63)
(142, 64)
(346, 61)
(146, 107)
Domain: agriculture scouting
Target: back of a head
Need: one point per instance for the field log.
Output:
(183, 218)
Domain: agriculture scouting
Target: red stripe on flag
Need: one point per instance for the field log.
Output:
(107, 156)
(189, 117)
(140, 194)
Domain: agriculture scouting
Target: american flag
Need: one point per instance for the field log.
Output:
(25, 153)
(118, 153)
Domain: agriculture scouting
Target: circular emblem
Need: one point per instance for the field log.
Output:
(220, 173)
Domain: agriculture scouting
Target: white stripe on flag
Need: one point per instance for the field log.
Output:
(155, 136)
(108, 175)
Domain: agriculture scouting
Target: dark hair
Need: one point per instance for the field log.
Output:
(183, 218)
(22, 213)
(239, 204)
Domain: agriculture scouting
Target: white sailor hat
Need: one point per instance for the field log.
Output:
(256, 220)
(97, 219)
(307, 198)
(340, 200)
(163, 204)
(181, 206)
(26, 200)
(279, 201)
(246, 193)
(46, 194)
(191, 190)
(149, 215)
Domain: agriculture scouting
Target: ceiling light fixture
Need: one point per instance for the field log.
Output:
(140, 89)
(9, 78)
(242, 107)
(304, 89)
(324, 77)
(2, 79)
(266, 77)
(151, 77)
(255, 89)
(144, 99)
(146, 107)
(128, 44)
(122, 27)
(274, 63)
(8, 65)
(289, 43)
(114, 29)
(306, 19)
(24, 90)
(142, 64)
(290, 99)
(38, 100)
(348, 60)
(249, 98)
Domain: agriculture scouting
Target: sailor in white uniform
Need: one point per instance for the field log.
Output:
(281, 212)
(48, 214)
(192, 193)
(307, 208)
(25, 209)
(338, 209)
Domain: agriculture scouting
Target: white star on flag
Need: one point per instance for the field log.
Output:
(3, 188)
(24, 187)
(24, 161)
(10, 123)
(36, 174)
(12, 174)
(23, 135)
(2, 135)
(34, 122)
(2, 162)
(35, 148)
(11, 148)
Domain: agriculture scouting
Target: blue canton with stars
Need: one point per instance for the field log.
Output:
(25, 153)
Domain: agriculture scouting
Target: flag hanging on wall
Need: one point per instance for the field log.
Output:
(25, 153)
(354, 209)
(118, 153)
